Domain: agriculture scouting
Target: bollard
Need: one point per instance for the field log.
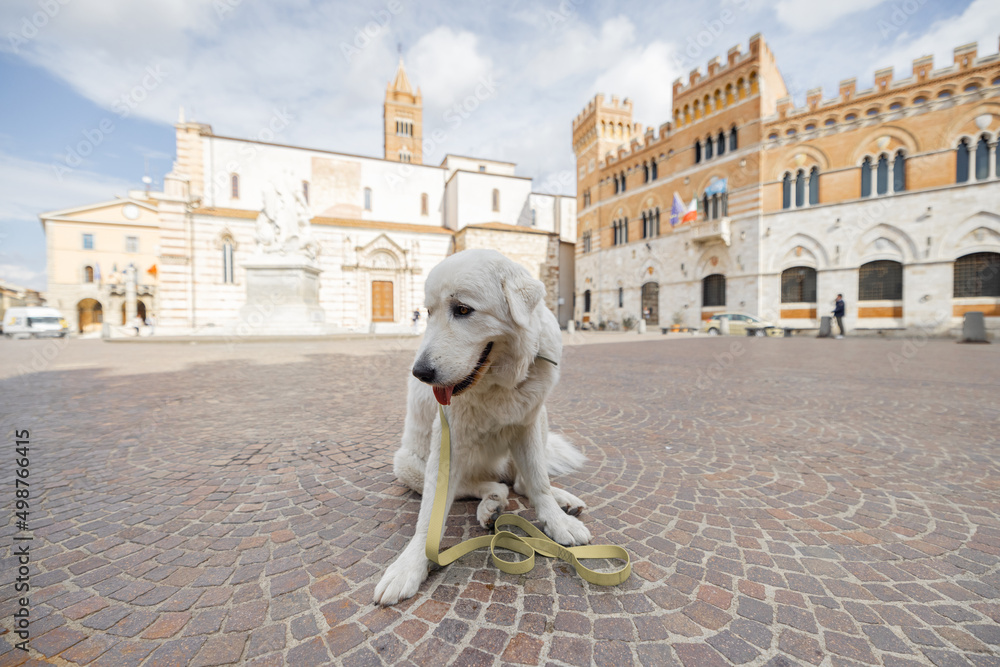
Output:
(570, 326)
(642, 327)
(724, 326)
(974, 328)
(825, 328)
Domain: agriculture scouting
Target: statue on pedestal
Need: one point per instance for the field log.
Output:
(283, 223)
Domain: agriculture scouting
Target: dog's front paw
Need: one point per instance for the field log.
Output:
(489, 509)
(567, 530)
(401, 580)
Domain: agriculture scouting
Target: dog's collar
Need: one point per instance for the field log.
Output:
(538, 356)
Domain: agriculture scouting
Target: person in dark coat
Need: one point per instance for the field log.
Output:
(838, 312)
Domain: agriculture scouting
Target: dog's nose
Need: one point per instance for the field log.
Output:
(424, 372)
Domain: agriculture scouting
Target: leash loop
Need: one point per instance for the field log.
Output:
(535, 542)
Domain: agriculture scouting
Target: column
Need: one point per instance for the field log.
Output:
(991, 168)
(890, 186)
(874, 169)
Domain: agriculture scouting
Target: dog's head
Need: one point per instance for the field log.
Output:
(480, 310)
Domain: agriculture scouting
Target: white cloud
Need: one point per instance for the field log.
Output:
(32, 187)
(449, 66)
(811, 16)
(978, 22)
(24, 276)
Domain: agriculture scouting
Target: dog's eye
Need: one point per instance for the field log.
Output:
(461, 310)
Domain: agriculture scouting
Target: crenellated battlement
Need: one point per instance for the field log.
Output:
(924, 82)
(597, 104)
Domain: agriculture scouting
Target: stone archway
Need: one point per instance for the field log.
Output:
(89, 315)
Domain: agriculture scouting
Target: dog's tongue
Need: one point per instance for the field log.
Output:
(443, 395)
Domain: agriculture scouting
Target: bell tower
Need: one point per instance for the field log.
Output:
(404, 131)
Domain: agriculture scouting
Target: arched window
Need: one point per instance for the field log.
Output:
(977, 274)
(423, 204)
(656, 220)
(899, 172)
(704, 207)
(713, 290)
(368, 199)
(962, 162)
(305, 191)
(814, 186)
(882, 175)
(753, 83)
(234, 186)
(496, 200)
(621, 297)
(786, 191)
(733, 141)
(88, 274)
(697, 152)
(586, 301)
(715, 206)
(800, 188)
(645, 225)
(720, 144)
(982, 159)
(227, 261)
(881, 280)
(798, 285)
(616, 183)
(653, 169)
(623, 181)
(645, 172)
(709, 144)
(866, 177)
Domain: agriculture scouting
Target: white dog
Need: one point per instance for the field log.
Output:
(487, 332)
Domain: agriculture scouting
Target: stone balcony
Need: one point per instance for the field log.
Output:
(711, 231)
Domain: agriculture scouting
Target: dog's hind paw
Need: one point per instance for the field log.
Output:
(402, 580)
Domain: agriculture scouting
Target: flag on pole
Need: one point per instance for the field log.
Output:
(692, 212)
(152, 270)
(676, 210)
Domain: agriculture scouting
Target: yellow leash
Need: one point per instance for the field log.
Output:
(526, 546)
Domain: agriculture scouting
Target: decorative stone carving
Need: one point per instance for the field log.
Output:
(283, 223)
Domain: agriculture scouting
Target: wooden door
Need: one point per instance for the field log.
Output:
(382, 310)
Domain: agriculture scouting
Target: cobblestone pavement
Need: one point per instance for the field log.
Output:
(786, 502)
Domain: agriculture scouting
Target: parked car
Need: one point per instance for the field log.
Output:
(738, 325)
(34, 322)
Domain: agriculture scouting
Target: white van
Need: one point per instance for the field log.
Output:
(34, 321)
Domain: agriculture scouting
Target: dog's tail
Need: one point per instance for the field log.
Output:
(564, 457)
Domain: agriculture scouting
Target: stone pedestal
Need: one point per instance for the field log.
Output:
(282, 297)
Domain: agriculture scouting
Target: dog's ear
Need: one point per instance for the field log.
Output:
(523, 293)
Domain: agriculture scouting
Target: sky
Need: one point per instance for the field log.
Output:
(90, 89)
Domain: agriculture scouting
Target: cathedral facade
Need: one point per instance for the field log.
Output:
(889, 196)
(379, 225)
